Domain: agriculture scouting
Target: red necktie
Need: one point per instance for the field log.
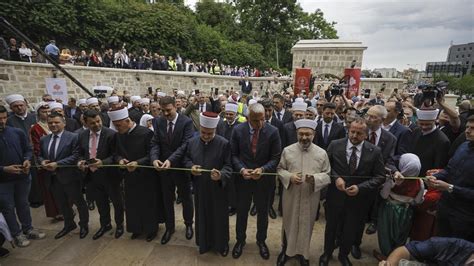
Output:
(255, 141)
(93, 152)
(373, 137)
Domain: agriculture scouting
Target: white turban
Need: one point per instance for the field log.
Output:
(40, 105)
(208, 120)
(144, 101)
(424, 114)
(81, 101)
(55, 105)
(92, 100)
(306, 123)
(231, 107)
(299, 106)
(113, 99)
(135, 98)
(119, 114)
(14, 98)
(299, 100)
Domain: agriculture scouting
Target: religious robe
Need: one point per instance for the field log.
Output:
(210, 197)
(300, 202)
(432, 149)
(143, 210)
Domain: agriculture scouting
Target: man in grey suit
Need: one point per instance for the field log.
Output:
(348, 195)
(57, 149)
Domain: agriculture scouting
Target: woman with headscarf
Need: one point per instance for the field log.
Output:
(146, 121)
(395, 214)
(37, 131)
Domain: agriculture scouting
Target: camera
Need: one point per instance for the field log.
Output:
(102, 91)
(367, 93)
(432, 91)
(337, 89)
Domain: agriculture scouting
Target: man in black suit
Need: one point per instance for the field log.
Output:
(172, 131)
(96, 147)
(71, 124)
(347, 196)
(81, 108)
(57, 149)
(245, 86)
(202, 105)
(256, 149)
(377, 100)
(327, 129)
(391, 124)
(71, 108)
(280, 113)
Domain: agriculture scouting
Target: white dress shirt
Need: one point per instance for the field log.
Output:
(174, 122)
(378, 132)
(389, 126)
(57, 142)
(97, 142)
(349, 152)
(329, 127)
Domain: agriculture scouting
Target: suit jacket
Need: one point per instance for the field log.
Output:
(246, 89)
(370, 164)
(268, 148)
(67, 111)
(279, 125)
(287, 117)
(65, 155)
(374, 102)
(387, 144)
(337, 132)
(71, 125)
(208, 107)
(105, 151)
(164, 149)
(290, 134)
(403, 135)
(77, 115)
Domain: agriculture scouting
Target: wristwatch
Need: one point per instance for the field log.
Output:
(450, 188)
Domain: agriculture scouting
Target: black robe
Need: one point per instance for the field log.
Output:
(432, 149)
(210, 197)
(143, 210)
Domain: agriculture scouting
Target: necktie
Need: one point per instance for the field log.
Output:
(254, 141)
(326, 134)
(93, 152)
(52, 149)
(373, 137)
(170, 130)
(353, 160)
(202, 108)
(279, 116)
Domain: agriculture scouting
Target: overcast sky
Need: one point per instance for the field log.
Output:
(399, 33)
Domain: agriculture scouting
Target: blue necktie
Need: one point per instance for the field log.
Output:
(52, 149)
(326, 134)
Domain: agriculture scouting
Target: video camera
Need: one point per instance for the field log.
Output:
(432, 92)
(102, 91)
(338, 89)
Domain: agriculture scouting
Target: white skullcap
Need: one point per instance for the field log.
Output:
(113, 99)
(144, 101)
(145, 118)
(431, 114)
(181, 93)
(40, 104)
(119, 114)
(252, 101)
(299, 106)
(299, 100)
(81, 101)
(92, 100)
(14, 98)
(208, 120)
(312, 110)
(161, 94)
(55, 105)
(231, 107)
(135, 98)
(306, 123)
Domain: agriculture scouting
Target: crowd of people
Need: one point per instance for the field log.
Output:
(399, 166)
(121, 58)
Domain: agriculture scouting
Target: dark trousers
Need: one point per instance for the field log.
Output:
(71, 192)
(343, 219)
(102, 192)
(260, 191)
(271, 198)
(35, 196)
(370, 215)
(231, 193)
(451, 224)
(168, 183)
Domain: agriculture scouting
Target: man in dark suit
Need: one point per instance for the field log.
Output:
(256, 149)
(391, 124)
(71, 124)
(280, 113)
(96, 147)
(81, 108)
(327, 129)
(71, 108)
(377, 100)
(347, 196)
(202, 105)
(245, 86)
(172, 131)
(57, 149)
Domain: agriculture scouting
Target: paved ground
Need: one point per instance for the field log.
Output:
(71, 250)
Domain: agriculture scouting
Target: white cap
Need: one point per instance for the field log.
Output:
(312, 110)
(231, 107)
(181, 93)
(134, 98)
(145, 119)
(55, 105)
(424, 114)
(252, 101)
(113, 99)
(208, 120)
(161, 94)
(14, 98)
(299, 100)
(119, 114)
(40, 104)
(144, 101)
(306, 123)
(81, 101)
(92, 100)
(299, 106)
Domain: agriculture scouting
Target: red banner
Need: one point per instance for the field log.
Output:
(302, 78)
(352, 76)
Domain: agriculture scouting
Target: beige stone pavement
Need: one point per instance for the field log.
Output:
(70, 250)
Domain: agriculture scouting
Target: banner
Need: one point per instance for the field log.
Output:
(352, 76)
(57, 88)
(302, 79)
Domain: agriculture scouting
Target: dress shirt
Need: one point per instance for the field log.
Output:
(174, 123)
(349, 151)
(389, 126)
(97, 142)
(378, 132)
(282, 113)
(329, 127)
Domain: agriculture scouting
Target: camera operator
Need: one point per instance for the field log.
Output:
(449, 121)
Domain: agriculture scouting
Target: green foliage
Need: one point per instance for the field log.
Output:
(463, 85)
(238, 32)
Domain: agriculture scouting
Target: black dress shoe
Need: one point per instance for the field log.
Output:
(355, 252)
(150, 236)
(253, 210)
(91, 205)
(135, 235)
(303, 261)
(167, 236)
(344, 261)
(119, 231)
(264, 253)
(84, 231)
(238, 248)
(324, 259)
(272, 213)
(65, 231)
(282, 258)
(225, 251)
(371, 229)
(189, 232)
(232, 211)
(102, 231)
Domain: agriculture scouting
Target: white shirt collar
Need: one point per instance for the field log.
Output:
(389, 126)
(350, 145)
(175, 119)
